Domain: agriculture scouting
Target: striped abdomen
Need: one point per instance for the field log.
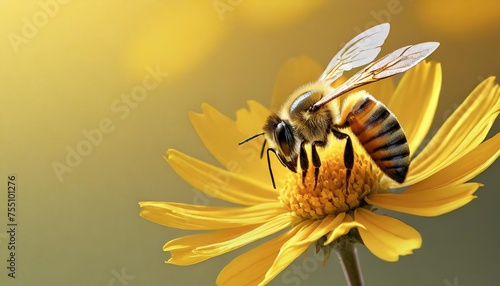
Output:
(379, 132)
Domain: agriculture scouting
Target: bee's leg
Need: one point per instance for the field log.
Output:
(304, 162)
(316, 160)
(269, 165)
(263, 148)
(348, 153)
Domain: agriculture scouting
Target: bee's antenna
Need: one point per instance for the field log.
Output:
(250, 138)
(269, 165)
(262, 153)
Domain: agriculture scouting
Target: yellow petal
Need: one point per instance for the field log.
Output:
(336, 229)
(345, 223)
(250, 267)
(182, 248)
(386, 237)
(220, 183)
(251, 120)
(430, 202)
(274, 225)
(292, 74)
(309, 232)
(461, 133)
(415, 100)
(221, 136)
(465, 168)
(194, 217)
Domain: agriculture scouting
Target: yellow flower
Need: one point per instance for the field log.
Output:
(304, 215)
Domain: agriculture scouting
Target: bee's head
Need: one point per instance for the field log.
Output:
(283, 141)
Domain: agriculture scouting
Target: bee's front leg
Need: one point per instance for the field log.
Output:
(304, 162)
(316, 160)
(348, 153)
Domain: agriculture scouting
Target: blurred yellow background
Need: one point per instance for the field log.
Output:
(92, 94)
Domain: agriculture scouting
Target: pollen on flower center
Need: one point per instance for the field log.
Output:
(331, 195)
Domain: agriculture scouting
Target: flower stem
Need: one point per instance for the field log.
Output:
(348, 256)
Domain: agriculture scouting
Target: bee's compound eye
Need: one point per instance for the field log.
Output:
(284, 137)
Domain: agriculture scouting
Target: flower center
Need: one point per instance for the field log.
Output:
(331, 195)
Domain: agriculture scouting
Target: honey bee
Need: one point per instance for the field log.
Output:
(309, 114)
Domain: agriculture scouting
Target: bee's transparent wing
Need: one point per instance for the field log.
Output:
(396, 62)
(359, 51)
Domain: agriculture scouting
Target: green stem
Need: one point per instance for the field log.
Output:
(350, 264)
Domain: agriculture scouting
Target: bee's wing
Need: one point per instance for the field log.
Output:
(396, 62)
(359, 51)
